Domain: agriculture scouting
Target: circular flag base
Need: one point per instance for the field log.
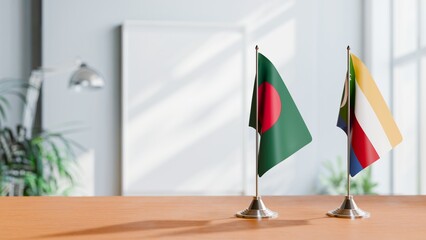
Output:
(257, 209)
(349, 209)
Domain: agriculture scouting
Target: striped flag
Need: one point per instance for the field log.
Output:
(374, 132)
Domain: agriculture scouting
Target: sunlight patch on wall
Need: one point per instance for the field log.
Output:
(406, 116)
(283, 39)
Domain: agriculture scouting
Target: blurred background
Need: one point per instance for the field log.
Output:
(172, 117)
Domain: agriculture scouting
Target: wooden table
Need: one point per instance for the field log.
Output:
(301, 217)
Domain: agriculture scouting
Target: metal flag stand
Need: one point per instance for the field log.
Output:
(348, 209)
(257, 208)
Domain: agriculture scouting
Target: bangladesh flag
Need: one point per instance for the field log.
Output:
(281, 127)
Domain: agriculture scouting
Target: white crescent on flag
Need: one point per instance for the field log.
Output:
(345, 92)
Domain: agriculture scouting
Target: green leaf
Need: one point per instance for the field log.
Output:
(48, 160)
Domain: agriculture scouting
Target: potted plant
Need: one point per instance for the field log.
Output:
(334, 179)
(38, 165)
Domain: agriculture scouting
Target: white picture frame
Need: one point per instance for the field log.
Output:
(184, 109)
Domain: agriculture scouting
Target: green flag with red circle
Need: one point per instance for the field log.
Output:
(281, 127)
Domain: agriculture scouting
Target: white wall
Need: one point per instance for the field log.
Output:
(15, 47)
(340, 23)
(394, 57)
(306, 40)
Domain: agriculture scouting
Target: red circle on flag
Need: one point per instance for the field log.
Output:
(269, 106)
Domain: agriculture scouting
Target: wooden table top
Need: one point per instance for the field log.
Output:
(300, 217)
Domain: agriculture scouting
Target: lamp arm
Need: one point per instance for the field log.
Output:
(56, 70)
(32, 97)
(84, 76)
(31, 101)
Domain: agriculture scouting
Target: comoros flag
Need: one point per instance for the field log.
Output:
(374, 132)
(282, 129)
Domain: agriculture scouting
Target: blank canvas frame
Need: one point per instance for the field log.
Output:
(183, 109)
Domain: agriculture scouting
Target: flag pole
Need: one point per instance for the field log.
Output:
(257, 208)
(349, 132)
(257, 121)
(348, 209)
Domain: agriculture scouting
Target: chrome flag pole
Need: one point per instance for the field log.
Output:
(348, 209)
(257, 121)
(257, 208)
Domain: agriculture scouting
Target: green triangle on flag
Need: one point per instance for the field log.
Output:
(281, 127)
